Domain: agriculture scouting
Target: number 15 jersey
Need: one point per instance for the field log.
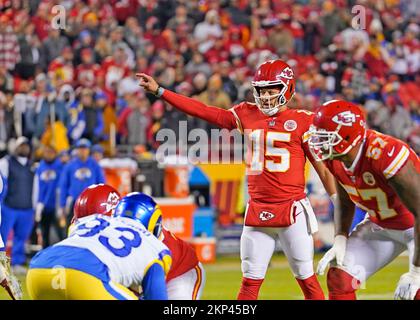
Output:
(277, 151)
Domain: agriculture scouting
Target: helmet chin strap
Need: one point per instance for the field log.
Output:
(270, 112)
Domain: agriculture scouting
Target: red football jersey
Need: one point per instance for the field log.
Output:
(86, 74)
(381, 157)
(277, 151)
(183, 254)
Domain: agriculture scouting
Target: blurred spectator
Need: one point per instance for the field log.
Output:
(87, 71)
(9, 46)
(227, 83)
(102, 49)
(7, 130)
(78, 174)
(61, 70)
(180, 19)
(214, 95)
(199, 83)
(138, 121)
(64, 156)
(115, 67)
(133, 34)
(44, 103)
(377, 58)
(41, 21)
(53, 45)
(281, 38)
(208, 29)
(30, 52)
(93, 114)
(400, 123)
(155, 125)
(46, 182)
(97, 152)
(239, 14)
(197, 64)
(55, 136)
(17, 208)
(331, 22)
(77, 120)
(6, 80)
(312, 34)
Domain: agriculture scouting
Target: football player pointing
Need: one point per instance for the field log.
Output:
(381, 175)
(278, 207)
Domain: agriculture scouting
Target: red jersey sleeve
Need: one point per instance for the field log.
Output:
(390, 155)
(306, 118)
(220, 117)
(239, 111)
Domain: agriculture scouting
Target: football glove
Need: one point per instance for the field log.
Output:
(337, 252)
(408, 285)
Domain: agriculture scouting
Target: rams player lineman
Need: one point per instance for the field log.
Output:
(103, 257)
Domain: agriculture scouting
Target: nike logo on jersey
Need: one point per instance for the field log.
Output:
(390, 153)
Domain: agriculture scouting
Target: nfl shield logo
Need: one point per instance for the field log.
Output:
(265, 216)
(272, 122)
(290, 125)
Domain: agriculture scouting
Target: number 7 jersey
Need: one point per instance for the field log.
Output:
(367, 184)
(122, 244)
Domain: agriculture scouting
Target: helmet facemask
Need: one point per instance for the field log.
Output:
(321, 144)
(274, 101)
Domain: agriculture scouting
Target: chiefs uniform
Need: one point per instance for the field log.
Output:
(86, 74)
(380, 159)
(388, 231)
(277, 153)
(186, 278)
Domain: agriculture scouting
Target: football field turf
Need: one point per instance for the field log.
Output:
(224, 278)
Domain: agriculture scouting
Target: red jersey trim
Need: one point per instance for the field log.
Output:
(238, 121)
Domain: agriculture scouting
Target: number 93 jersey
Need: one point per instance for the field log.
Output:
(122, 244)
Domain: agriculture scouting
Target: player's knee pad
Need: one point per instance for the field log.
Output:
(340, 282)
(302, 269)
(253, 270)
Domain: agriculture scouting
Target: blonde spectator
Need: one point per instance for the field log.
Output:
(214, 95)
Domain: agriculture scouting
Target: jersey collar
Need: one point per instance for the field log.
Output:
(356, 160)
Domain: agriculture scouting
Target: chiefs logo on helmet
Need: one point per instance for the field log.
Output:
(111, 202)
(265, 216)
(287, 73)
(346, 118)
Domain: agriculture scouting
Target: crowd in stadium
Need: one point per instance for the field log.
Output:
(207, 49)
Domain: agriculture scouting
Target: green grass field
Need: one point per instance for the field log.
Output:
(224, 278)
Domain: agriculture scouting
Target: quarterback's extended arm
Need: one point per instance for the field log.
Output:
(406, 184)
(343, 217)
(220, 117)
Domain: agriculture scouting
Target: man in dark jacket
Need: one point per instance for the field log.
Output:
(17, 208)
